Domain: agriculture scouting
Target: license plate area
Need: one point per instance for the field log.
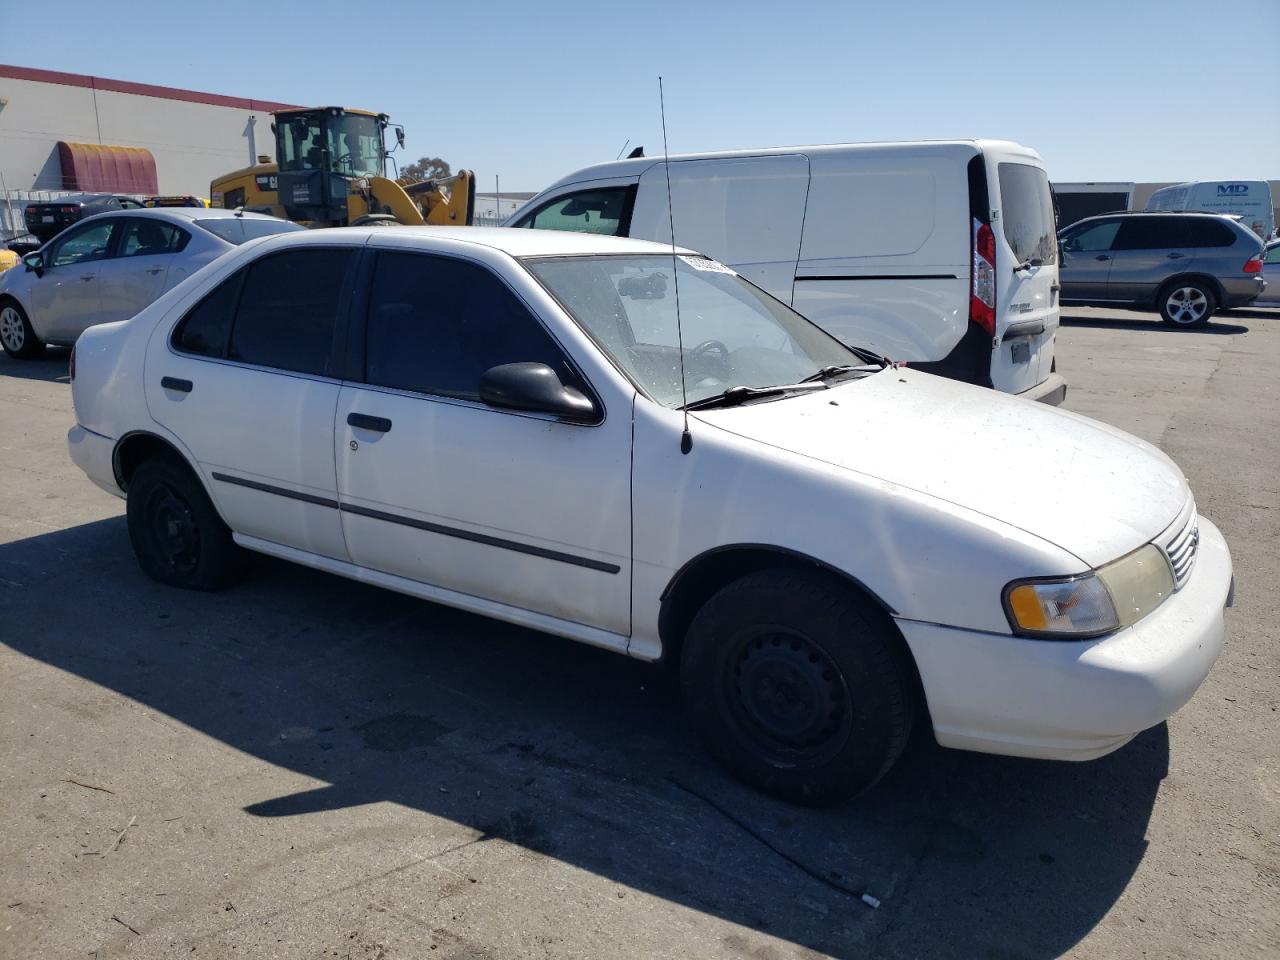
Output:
(1020, 351)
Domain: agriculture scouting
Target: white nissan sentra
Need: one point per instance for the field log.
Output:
(512, 422)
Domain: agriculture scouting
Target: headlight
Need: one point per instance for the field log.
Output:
(1115, 596)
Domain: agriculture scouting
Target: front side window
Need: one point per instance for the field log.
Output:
(1026, 207)
(301, 143)
(1095, 238)
(149, 238)
(734, 334)
(84, 245)
(355, 145)
(288, 311)
(601, 211)
(435, 325)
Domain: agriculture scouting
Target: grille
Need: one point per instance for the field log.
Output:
(1181, 549)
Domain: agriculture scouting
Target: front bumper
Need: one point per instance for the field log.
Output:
(1075, 700)
(94, 454)
(1052, 390)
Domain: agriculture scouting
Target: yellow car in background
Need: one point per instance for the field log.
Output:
(8, 259)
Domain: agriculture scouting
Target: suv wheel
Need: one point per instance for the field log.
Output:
(1187, 303)
(176, 533)
(16, 335)
(797, 686)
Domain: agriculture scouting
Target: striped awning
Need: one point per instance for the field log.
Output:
(98, 168)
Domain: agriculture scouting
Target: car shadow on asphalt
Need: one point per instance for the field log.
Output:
(52, 367)
(584, 756)
(1217, 327)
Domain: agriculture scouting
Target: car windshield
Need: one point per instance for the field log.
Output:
(239, 229)
(734, 334)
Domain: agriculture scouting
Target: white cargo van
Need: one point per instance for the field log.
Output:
(1250, 200)
(941, 254)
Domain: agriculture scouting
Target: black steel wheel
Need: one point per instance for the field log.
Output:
(177, 535)
(799, 685)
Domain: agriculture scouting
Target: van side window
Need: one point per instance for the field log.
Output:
(1095, 238)
(436, 324)
(606, 210)
(289, 310)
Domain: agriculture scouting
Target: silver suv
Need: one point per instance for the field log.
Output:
(1186, 265)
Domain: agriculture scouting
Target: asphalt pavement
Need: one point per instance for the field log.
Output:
(304, 767)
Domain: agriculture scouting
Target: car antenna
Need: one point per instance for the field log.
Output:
(624, 149)
(686, 440)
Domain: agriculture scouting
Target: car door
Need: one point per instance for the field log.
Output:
(1086, 260)
(66, 298)
(137, 272)
(247, 379)
(515, 508)
(1147, 251)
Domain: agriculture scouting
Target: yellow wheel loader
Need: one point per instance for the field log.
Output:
(331, 171)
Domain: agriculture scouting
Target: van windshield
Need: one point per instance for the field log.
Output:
(1026, 207)
(734, 334)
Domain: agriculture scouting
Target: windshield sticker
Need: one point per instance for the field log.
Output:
(707, 266)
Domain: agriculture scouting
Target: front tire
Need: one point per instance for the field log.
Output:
(17, 336)
(798, 685)
(176, 533)
(1187, 303)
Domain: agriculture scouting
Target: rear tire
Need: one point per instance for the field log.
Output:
(17, 336)
(176, 533)
(799, 686)
(1187, 303)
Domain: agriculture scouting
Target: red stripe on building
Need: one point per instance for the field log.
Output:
(139, 89)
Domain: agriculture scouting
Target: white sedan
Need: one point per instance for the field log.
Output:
(513, 422)
(110, 266)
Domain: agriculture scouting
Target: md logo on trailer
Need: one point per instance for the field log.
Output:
(1233, 189)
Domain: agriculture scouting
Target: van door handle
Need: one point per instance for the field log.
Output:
(366, 422)
(175, 383)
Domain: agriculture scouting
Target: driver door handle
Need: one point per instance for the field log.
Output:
(154, 270)
(1102, 256)
(366, 422)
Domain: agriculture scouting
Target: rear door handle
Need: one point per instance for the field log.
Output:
(175, 383)
(87, 278)
(154, 270)
(366, 422)
(1102, 256)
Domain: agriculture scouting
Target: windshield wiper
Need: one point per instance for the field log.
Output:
(736, 395)
(840, 369)
(1028, 264)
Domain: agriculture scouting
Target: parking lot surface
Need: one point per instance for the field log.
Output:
(303, 767)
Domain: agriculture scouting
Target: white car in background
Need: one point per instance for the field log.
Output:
(110, 266)
(508, 422)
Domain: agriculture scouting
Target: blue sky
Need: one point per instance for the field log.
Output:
(1121, 90)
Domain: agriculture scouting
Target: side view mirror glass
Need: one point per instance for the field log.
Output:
(34, 261)
(536, 388)
(400, 136)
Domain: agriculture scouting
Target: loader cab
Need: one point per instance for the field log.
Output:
(320, 152)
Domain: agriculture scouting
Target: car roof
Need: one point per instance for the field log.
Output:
(1201, 214)
(516, 241)
(186, 213)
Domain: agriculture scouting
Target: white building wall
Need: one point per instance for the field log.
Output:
(192, 142)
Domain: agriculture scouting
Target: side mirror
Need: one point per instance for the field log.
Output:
(400, 136)
(34, 262)
(536, 388)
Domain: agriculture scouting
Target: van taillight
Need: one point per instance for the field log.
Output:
(71, 364)
(1253, 264)
(982, 280)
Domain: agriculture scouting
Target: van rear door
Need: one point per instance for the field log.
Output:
(1026, 274)
(746, 212)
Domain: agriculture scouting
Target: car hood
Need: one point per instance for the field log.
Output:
(1086, 487)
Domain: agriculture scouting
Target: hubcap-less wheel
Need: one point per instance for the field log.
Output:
(13, 332)
(1187, 305)
(789, 698)
(174, 530)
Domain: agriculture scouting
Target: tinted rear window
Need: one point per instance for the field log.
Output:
(237, 230)
(1211, 233)
(1026, 206)
(1155, 233)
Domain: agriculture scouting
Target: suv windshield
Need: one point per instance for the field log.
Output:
(734, 334)
(239, 229)
(1026, 207)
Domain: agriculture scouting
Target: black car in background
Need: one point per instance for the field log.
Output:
(48, 218)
